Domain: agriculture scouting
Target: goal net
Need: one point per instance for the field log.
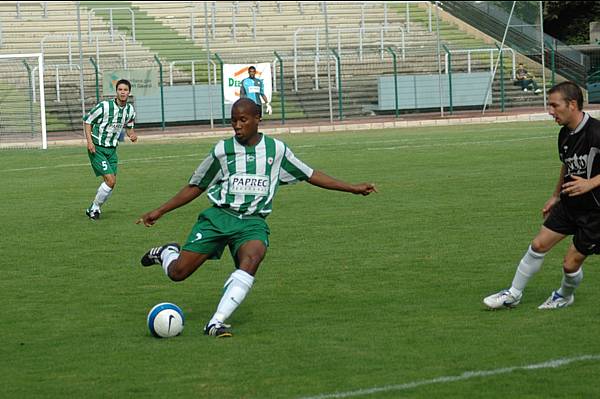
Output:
(22, 103)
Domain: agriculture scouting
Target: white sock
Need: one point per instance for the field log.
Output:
(168, 256)
(102, 195)
(235, 290)
(529, 265)
(570, 282)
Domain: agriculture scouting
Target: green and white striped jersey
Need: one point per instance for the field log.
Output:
(107, 120)
(245, 179)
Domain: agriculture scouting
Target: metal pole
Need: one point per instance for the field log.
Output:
(553, 65)
(57, 84)
(339, 83)
(328, 62)
(449, 72)
(281, 88)
(97, 86)
(543, 55)
(162, 95)
(502, 95)
(30, 97)
(43, 101)
(395, 78)
(207, 45)
(222, 88)
(439, 57)
(81, 89)
(489, 89)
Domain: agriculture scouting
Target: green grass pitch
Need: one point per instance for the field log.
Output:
(356, 293)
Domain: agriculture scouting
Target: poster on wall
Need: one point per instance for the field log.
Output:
(144, 82)
(234, 74)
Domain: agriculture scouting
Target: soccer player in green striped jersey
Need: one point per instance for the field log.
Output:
(240, 177)
(103, 125)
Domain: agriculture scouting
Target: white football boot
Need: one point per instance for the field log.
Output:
(556, 301)
(500, 300)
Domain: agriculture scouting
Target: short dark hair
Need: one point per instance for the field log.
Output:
(123, 82)
(247, 102)
(251, 67)
(569, 91)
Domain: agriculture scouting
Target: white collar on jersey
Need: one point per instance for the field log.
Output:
(581, 124)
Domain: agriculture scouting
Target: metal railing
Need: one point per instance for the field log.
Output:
(364, 13)
(193, 64)
(315, 62)
(43, 4)
(338, 32)
(490, 19)
(56, 68)
(70, 38)
(234, 10)
(480, 50)
(111, 22)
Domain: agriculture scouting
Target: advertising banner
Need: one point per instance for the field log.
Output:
(144, 82)
(235, 73)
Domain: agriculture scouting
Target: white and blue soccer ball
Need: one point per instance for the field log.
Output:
(165, 320)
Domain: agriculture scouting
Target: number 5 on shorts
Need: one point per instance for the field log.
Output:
(104, 165)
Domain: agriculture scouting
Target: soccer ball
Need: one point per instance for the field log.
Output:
(165, 320)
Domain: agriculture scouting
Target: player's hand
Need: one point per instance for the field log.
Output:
(269, 109)
(364, 188)
(577, 186)
(549, 205)
(91, 147)
(133, 137)
(148, 219)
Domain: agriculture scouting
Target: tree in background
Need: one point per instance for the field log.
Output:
(569, 21)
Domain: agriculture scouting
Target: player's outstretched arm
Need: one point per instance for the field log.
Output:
(185, 195)
(320, 179)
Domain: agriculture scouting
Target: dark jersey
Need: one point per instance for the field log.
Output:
(579, 152)
(252, 88)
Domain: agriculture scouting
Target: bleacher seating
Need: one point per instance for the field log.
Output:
(243, 32)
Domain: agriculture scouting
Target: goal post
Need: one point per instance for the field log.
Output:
(23, 116)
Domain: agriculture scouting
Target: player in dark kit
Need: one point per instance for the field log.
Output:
(574, 207)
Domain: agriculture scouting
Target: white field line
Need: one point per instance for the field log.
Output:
(133, 160)
(444, 144)
(462, 377)
(459, 143)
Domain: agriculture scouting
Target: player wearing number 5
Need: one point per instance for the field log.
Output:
(253, 88)
(240, 177)
(103, 125)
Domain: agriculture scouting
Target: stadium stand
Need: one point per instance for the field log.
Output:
(130, 34)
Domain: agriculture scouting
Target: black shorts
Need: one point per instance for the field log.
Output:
(582, 224)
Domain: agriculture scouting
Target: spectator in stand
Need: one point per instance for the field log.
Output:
(526, 80)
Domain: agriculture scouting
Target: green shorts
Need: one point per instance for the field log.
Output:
(104, 160)
(217, 228)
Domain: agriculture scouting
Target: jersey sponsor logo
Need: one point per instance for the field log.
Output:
(250, 158)
(171, 317)
(577, 164)
(254, 89)
(114, 128)
(248, 184)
